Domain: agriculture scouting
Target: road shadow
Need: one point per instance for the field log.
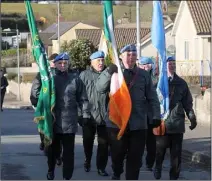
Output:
(21, 159)
(198, 151)
(20, 122)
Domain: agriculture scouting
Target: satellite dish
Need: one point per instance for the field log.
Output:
(171, 50)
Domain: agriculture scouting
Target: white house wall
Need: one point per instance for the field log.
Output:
(148, 50)
(185, 32)
(199, 48)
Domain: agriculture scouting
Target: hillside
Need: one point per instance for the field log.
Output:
(82, 12)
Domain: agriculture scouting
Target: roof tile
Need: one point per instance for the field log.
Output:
(201, 15)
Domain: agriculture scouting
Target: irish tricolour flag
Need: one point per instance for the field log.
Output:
(120, 102)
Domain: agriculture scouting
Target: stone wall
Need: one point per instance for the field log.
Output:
(202, 107)
(201, 104)
(32, 69)
(25, 89)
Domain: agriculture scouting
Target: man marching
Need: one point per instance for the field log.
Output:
(147, 64)
(180, 101)
(141, 91)
(96, 123)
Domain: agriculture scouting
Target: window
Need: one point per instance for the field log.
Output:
(186, 50)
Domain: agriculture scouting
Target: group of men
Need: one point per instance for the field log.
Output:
(83, 99)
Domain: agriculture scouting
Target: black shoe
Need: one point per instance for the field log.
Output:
(59, 161)
(50, 176)
(157, 174)
(102, 172)
(87, 166)
(173, 177)
(114, 177)
(41, 146)
(1, 110)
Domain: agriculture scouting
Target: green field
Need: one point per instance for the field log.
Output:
(82, 12)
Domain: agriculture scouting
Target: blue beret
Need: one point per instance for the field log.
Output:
(98, 54)
(145, 60)
(170, 58)
(128, 48)
(61, 56)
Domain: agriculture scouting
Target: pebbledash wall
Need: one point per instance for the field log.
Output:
(201, 103)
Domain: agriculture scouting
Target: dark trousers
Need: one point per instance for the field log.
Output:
(174, 142)
(41, 138)
(89, 132)
(67, 141)
(3, 91)
(46, 148)
(132, 145)
(150, 147)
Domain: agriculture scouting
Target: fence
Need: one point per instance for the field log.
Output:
(195, 71)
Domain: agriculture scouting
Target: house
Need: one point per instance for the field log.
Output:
(147, 49)
(126, 33)
(124, 36)
(11, 37)
(192, 34)
(67, 32)
(94, 35)
(49, 36)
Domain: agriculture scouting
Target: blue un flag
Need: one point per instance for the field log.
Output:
(159, 42)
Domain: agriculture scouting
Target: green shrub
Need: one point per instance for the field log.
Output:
(28, 77)
(11, 76)
(12, 52)
(79, 51)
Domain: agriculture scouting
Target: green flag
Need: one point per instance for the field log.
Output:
(44, 116)
(108, 23)
(119, 113)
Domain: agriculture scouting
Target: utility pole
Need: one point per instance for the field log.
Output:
(58, 25)
(138, 29)
(18, 60)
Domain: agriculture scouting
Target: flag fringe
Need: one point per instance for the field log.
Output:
(47, 139)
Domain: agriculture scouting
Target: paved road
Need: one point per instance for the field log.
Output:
(21, 158)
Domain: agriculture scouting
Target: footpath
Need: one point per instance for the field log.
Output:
(196, 144)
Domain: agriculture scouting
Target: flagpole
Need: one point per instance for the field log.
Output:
(138, 29)
(58, 25)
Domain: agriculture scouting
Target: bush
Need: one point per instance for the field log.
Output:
(28, 77)
(108, 61)
(11, 76)
(23, 45)
(12, 52)
(79, 51)
(25, 77)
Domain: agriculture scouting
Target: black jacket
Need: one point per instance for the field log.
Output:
(180, 101)
(4, 83)
(142, 94)
(70, 96)
(35, 90)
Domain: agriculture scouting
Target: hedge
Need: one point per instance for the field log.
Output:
(12, 52)
(25, 77)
